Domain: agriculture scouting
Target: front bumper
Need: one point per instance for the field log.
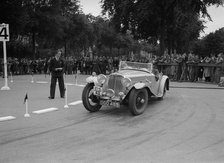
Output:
(107, 100)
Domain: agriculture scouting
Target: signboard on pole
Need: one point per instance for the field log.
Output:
(4, 32)
(4, 36)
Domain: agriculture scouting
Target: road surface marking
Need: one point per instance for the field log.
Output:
(69, 84)
(41, 82)
(7, 118)
(80, 85)
(45, 110)
(75, 103)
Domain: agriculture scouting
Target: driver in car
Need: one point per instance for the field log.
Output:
(155, 71)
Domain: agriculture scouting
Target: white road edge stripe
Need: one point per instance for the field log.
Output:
(80, 85)
(41, 82)
(69, 84)
(75, 103)
(45, 110)
(7, 118)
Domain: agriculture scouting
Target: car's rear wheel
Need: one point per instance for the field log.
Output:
(138, 100)
(89, 100)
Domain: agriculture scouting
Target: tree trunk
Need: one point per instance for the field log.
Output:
(162, 41)
(111, 51)
(34, 45)
(65, 48)
(162, 38)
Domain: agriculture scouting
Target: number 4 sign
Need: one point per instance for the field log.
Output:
(4, 36)
(4, 32)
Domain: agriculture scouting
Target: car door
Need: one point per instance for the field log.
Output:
(154, 84)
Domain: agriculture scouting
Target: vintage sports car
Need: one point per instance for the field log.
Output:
(133, 85)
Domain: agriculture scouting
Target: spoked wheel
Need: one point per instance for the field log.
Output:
(138, 100)
(89, 100)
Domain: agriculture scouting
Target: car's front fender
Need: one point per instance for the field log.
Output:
(139, 85)
(163, 82)
(91, 79)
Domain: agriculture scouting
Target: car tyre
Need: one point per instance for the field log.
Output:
(138, 100)
(90, 101)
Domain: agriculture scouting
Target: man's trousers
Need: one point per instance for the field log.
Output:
(53, 85)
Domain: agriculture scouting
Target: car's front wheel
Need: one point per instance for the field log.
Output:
(138, 100)
(89, 100)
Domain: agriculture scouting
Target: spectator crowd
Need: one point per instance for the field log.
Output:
(179, 67)
(84, 65)
(190, 67)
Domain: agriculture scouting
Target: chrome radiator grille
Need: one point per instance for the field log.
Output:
(115, 83)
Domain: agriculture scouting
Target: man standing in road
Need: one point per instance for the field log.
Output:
(56, 68)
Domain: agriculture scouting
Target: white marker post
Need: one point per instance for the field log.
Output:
(11, 77)
(26, 102)
(76, 76)
(26, 113)
(32, 81)
(66, 95)
(4, 36)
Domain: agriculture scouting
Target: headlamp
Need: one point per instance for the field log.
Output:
(126, 82)
(101, 79)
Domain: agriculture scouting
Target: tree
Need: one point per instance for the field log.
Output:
(157, 19)
(14, 14)
(50, 20)
(213, 43)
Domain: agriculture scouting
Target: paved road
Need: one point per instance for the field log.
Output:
(187, 126)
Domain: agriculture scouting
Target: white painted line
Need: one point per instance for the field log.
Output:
(45, 110)
(41, 82)
(80, 85)
(75, 103)
(69, 84)
(7, 118)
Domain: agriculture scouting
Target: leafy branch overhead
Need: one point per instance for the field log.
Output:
(128, 26)
(174, 22)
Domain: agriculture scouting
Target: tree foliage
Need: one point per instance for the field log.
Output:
(173, 22)
(212, 44)
(13, 12)
(60, 23)
(133, 25)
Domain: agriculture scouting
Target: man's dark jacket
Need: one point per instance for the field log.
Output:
(54, 64)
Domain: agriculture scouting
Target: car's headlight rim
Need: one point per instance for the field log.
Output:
(110, 93)
(101, 79)
(126, 82)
